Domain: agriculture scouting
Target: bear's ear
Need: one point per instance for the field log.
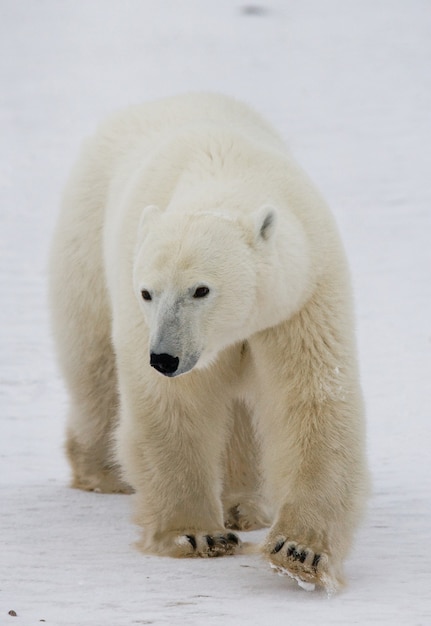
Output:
(148, 216)
(264, 222)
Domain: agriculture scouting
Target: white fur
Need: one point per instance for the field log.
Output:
(198, 191)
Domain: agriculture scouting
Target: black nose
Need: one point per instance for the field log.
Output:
(164, 363)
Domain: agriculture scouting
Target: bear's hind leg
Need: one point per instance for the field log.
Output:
(243, 504)
(91, 419)
(82, 328)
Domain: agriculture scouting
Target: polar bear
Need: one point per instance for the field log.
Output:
(202, 313)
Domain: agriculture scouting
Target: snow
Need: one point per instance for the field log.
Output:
(349, 86)
(281, 571)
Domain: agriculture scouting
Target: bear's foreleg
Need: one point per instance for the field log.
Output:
(170, 449)
(309, 413)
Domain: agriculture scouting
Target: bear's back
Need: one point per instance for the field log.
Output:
(168, 116)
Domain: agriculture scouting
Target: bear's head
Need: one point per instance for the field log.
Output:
(196, 278)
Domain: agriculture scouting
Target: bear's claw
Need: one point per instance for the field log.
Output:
(191, 540)
(208, 545)
(296, 553)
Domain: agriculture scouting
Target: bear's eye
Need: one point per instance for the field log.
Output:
(201, 292)
(146, 295)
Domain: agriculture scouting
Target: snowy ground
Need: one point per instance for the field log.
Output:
(348, 83)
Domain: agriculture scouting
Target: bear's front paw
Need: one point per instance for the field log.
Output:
(307, 566)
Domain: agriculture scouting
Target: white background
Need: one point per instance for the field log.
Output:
(348, 84)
